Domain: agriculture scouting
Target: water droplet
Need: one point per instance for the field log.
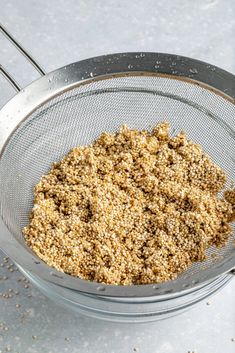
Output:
(56, 275)
(193, 70)
(101, 288)
(168, 291)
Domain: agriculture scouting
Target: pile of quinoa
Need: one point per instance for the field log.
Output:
(134, 207)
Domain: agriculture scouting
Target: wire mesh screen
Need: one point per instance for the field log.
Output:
(79, 115)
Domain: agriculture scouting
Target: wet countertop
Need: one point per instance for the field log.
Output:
(58, 32)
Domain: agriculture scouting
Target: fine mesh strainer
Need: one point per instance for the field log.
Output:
(74, 104)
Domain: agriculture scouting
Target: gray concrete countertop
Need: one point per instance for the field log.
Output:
(58, 32)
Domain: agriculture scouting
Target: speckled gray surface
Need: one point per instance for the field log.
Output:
(57, 32)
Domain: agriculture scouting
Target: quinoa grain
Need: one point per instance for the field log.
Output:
(134, 207)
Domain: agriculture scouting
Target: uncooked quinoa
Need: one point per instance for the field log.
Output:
(134, 207)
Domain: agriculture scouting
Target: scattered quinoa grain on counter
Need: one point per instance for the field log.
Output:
(134, 207)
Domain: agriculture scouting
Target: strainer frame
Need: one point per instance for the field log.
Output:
(20, 107)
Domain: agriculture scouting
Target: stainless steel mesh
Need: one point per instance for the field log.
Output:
(78, 116)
